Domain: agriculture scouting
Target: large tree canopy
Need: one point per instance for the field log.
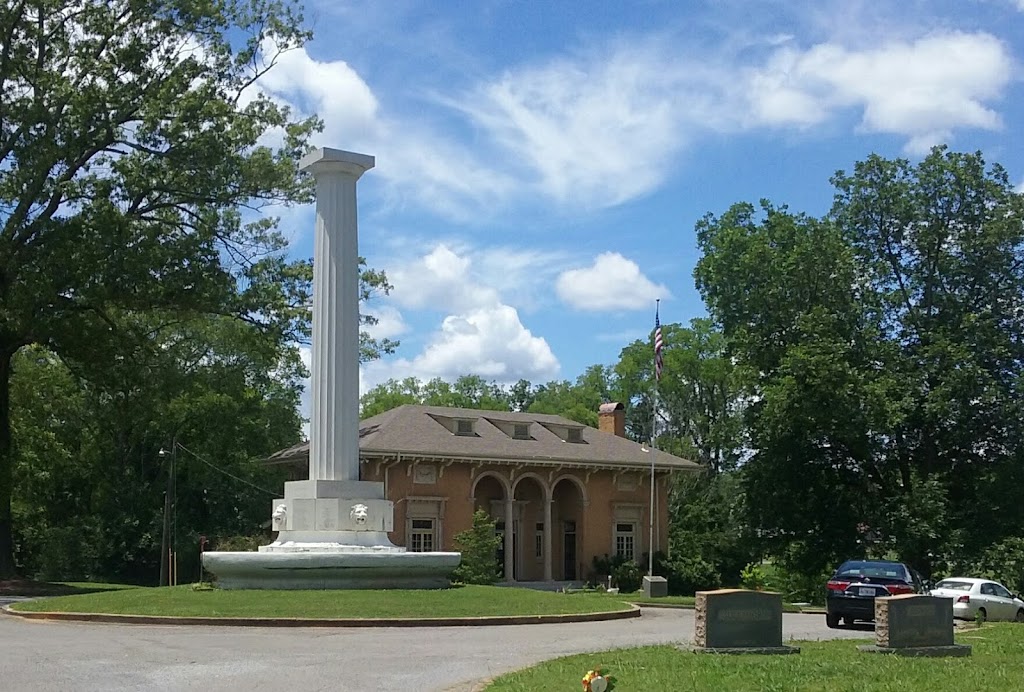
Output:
(131, 142)
(884, 353)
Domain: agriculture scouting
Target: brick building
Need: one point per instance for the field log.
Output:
(568, 491)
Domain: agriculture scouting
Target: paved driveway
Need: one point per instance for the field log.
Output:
(41, 655)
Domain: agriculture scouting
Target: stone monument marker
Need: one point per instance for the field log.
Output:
(739, 621)
(332, 528)
(915, 625)
(655, 587)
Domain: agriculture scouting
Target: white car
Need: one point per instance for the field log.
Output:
(984, 598)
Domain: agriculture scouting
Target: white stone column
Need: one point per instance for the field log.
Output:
(509, 540)
(547, 540)
(334, 414)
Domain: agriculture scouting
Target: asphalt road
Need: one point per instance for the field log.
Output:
(41, 655)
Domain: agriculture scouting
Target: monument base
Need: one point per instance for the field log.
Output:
(331, 567)
(936, 651)
(332, 535)
(740, 650)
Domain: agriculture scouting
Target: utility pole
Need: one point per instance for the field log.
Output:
(165, 543)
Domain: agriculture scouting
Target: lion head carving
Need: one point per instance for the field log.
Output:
(359, 514)
(280, 514)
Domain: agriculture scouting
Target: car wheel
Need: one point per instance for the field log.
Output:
(1020, 616)
(982, 615)
(832, 621)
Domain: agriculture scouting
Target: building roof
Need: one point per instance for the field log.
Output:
(432, 432)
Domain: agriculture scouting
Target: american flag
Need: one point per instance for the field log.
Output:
(658, 344)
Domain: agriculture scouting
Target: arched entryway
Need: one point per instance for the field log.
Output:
(568, 501)
(530, 517)
(491, 494)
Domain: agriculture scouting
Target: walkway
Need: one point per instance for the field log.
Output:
(78, 656)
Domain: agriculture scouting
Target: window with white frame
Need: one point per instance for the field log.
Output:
(423, 524)
(421, 535)
(626, 519)
(625, 540)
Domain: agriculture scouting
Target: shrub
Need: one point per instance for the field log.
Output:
(688, 575)
(627, 577)
(241, 544)
(603, 567)
(479, 546)
(753, 577)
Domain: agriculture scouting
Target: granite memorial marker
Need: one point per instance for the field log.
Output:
(915, 625)
(739, 621)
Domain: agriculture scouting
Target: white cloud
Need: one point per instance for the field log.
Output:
(612, 282)
(480, 333)
(923, 89)
(441, 280)
(432, 169)
(390, 322)
(490, 342)
(594, 131)
(1020, 188)
(332, 90)
(607, 124)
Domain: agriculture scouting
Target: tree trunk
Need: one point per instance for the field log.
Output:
(6, 469)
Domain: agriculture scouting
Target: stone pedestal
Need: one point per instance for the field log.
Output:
(332, 529)
(915, 625)
(737, 621)
(655, 587)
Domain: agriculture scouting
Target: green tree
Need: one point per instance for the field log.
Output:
(210, 390)
(577, 401)
(882, 355)
(479, 547)
(468, 391)
(130, 138)
(700, 409)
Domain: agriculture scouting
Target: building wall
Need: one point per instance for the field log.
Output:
(448, 494)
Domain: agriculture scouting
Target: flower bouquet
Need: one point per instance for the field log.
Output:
(597, 680)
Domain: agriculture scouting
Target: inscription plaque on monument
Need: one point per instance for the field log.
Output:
(915, 625)
(739, 621)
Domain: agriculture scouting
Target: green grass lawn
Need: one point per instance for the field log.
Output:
(463, 601)
(674, 601)
(995, 664)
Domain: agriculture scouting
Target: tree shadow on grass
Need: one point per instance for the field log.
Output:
(28, 587)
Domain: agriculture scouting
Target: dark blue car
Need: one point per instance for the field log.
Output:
(852, 590)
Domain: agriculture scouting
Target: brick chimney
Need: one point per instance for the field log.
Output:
(611, 418)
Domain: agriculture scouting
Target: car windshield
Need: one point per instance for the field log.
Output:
(871, 569)
(954, 585)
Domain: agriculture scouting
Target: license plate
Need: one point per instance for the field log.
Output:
(862, 591)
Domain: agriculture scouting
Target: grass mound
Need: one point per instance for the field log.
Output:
(461, 601)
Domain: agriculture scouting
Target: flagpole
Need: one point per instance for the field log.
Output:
(654, 423)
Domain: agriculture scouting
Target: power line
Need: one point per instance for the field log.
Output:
(227, 473)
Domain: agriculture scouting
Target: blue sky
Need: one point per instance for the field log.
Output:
(541, 165)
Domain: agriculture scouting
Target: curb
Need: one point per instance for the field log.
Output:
(633, 612)
(682, 606)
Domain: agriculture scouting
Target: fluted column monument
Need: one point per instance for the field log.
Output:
(332, 529)
(333, 448)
